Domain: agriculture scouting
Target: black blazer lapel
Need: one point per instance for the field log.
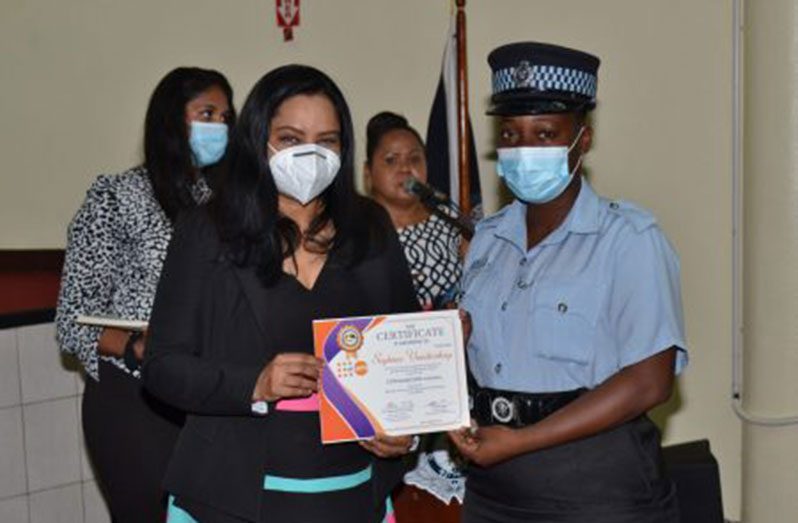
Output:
(257, 296)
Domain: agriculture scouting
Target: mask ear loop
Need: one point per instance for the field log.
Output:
(576, 140)
(581, 155)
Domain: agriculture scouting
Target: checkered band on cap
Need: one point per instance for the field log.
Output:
(545, 78)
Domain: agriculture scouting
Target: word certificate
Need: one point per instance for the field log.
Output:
(394, 374)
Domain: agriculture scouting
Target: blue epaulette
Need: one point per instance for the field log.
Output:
(492, 220)
(640, 218)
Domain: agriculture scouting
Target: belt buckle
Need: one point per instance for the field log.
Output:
(502, 409)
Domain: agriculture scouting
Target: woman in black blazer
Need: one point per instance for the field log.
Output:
(287, 241)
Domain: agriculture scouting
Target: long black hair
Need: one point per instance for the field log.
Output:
(167, 154)
(245, 209)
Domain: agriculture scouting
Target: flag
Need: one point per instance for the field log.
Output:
(442, 152)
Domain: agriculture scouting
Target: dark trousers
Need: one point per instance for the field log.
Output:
(612, 477)
(129, 436)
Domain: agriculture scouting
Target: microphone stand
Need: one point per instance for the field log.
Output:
(459, 222)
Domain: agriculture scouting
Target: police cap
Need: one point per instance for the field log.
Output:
(538, 78)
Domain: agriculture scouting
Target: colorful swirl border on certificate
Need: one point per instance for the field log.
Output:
(339, 398)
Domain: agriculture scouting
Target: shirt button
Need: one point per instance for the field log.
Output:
(523, 261)
(562, 307)
(614, 205)
(498, 368)
(522, 284)
(504, 306)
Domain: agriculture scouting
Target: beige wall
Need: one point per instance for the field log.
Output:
(76, 77)
(770, 459)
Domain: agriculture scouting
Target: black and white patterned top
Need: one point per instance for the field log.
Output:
(116, 245)
(432, 250)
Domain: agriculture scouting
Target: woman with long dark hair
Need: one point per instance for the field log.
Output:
(116, 245)
(287, 241)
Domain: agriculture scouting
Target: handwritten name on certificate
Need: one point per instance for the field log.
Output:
(395, 374)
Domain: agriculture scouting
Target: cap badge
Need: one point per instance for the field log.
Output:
(523, 74)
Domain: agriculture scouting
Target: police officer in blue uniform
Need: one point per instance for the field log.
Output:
(577, 319)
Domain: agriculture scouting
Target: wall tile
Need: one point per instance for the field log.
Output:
(9, 369)
(60, 505)
(13, 479)
(44, 372)
(96, 511)
(51, 443)
(14, 510)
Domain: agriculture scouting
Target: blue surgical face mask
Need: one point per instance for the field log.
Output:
(208, 142)
(537, 174)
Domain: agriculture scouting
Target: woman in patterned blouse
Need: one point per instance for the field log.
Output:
(395, 152)
(115, 249)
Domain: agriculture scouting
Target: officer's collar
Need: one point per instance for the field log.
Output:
(583, 218)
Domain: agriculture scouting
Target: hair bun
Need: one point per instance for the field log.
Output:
(385, 121)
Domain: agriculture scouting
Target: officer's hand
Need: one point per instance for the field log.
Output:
(486, 446)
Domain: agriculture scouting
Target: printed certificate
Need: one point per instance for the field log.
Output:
(395, 374)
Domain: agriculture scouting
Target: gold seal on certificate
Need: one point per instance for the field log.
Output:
(392, 374)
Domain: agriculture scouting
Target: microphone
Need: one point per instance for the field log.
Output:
(424, 192)
(433, 199)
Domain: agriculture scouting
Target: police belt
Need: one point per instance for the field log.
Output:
(516, 409)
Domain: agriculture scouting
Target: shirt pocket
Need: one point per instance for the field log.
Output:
(473, 281)
(563, 319)
(474, 300)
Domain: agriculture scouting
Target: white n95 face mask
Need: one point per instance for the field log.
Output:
(303, 171)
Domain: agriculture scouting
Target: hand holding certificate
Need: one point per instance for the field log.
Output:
(393, 374)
